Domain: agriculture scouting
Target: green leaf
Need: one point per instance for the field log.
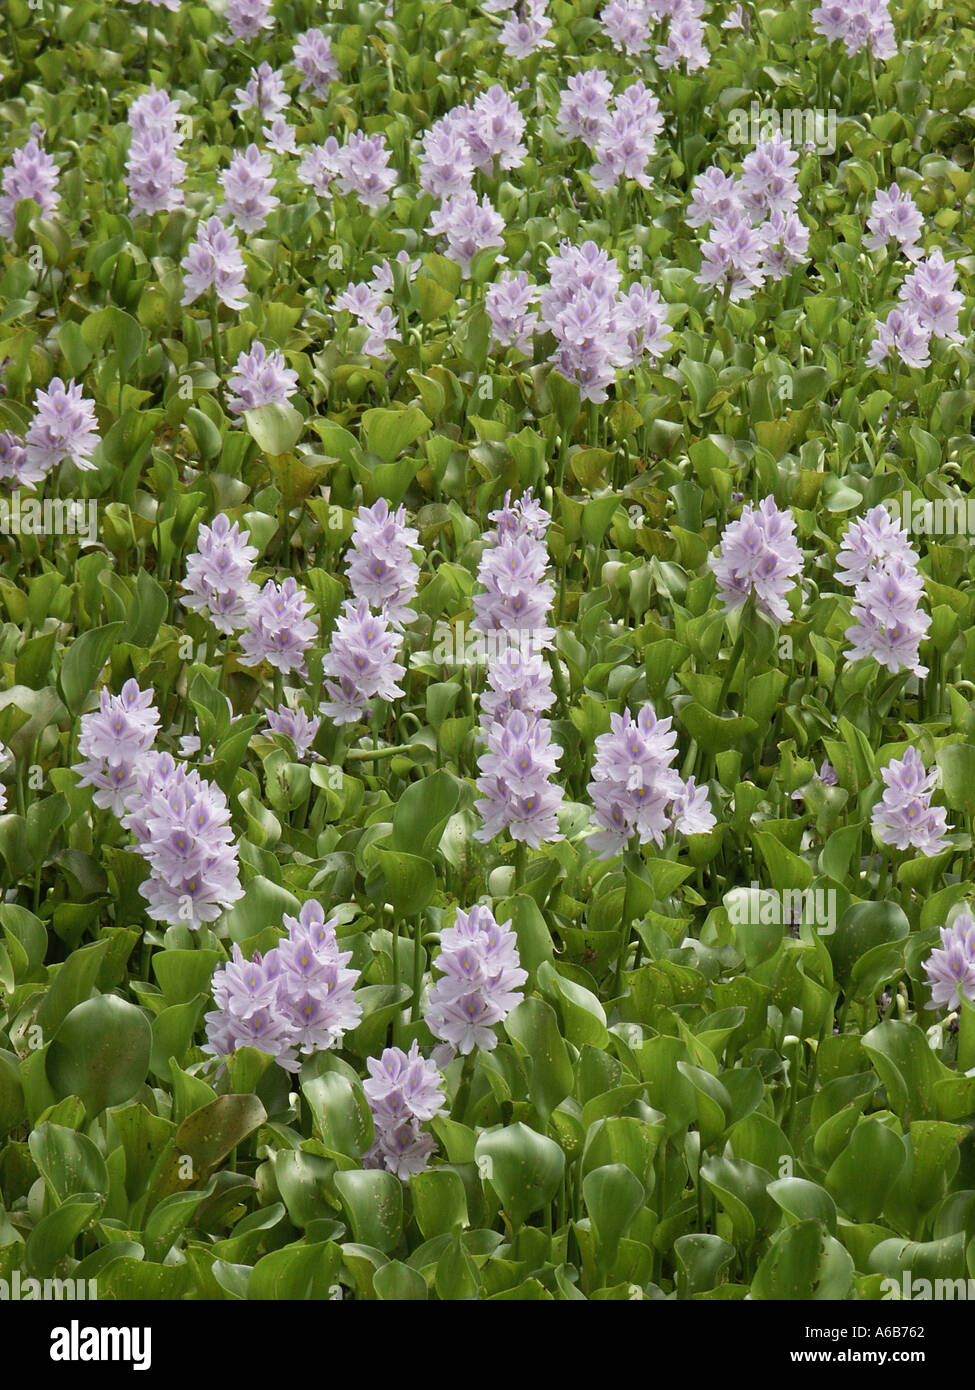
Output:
(341, 1113)
(803, 1262)
(72, 984)
(422, 812)
(274, 428)
(300, 1271)
(907, 1068)
(410, 881)
(524, 1167)
(804, 1201)
(100, 1052)
(397, 1282)
(201, 1141)
(439, 1201)
(613, 1197)
(957, 764)
(861, 928)
(532, 1025)
(566, 401)
(388, 432)
(69, 1162)
(374, 1203)
(712, 732)
(865, 1169)
(55, 1234)
(83, 663)
(169, 1219)
(701, 1261)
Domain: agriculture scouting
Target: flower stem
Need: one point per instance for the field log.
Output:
(417, 968)
(464, 1089)
(215, 344)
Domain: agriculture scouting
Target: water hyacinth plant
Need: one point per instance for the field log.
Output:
(487, 729)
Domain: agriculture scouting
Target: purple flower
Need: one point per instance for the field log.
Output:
(901, 333)
(482, 979)
(214, 261)
(468, 226)
(362, 661)
(512, 572)
(182, 826)
(278, 628)
(521, 36)
(732, 258)
(951, 968)
(584, 106)
(112, 741)
(870, 542)
(319, 167)
(402, 1149)
(634, 789)
(297, 725)
(261, 378)
(685, 43)
(380, 566)
(247, 185)
(154, 172)
(758, 555)
(641, 315)
(691, 812)
(929, 294)
(247, 18)
(627, 25)
(889, 625)
(737, 19)
(263, 93)
(246, 1015)
(509, 305)
(218, 581)
(155, 110)
(579, 309)
(63, 427)
(785, 244)
(494, 128)
(312, 56)
(627, 141)
(517, 793)
(516, 680)
(404, 1085)
(446, 164)
(316, 987)
(857, 24)
(364, 302)
(715, 196)
(904, 817)
(33, 174)
(768, 177)
(894, 216)
(280, 136)
(362, 169)
(14, 466)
